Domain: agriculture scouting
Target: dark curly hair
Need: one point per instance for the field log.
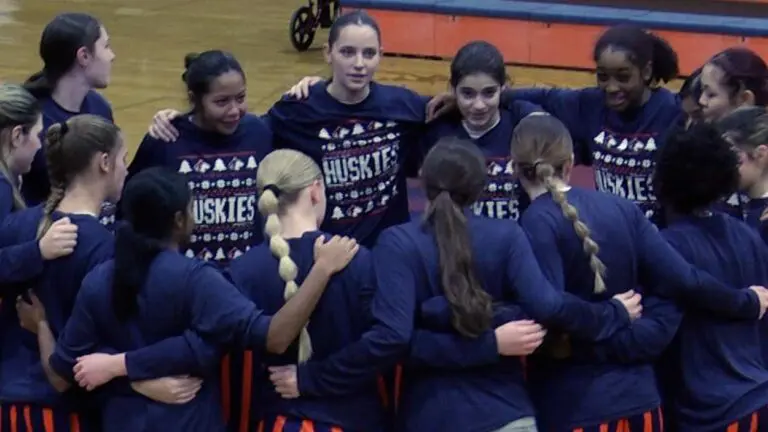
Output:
(695, 168)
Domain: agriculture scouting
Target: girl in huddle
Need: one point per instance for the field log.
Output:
(77, 60)
(218, 149)
(689, 96)
(292, 201)
(19, 141)
(86, 163)
(618, 125)
(364, 135)
(478, 77)
(735, 77)
(577, 386)
(444, 275)
(124, 304)
(731, 79)
(747, 130)
(728, 388)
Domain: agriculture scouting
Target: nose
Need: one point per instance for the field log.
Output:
(359, 61)
(478, 104)
(612, 86)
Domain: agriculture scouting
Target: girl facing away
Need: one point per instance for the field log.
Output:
(448, 274)
(728, 387)
(292, 202)
(595, 245)
(19, 142)
(86, 164)
(124, 304)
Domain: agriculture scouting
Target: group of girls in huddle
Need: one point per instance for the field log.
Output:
(264, 274)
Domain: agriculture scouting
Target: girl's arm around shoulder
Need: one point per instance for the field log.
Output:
(667, 274)
(642, 342)
(387, 340)
(545, 304)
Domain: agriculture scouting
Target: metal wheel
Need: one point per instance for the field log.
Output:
(302, 28)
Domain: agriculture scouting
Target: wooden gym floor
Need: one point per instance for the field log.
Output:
(151, 37)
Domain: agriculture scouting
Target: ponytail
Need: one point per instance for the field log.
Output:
(642, 47)
(269, 205)
(664, 61)
(39, 85)
(134, 253)
(544, 173)
(471, 305)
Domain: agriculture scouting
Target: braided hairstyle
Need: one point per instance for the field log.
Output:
(541, 146)
(69, 150)
(281, 177)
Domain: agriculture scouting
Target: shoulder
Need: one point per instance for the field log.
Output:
(250, 264)
(519, 109)
(399, 101)
(99, 105)
(254, 124)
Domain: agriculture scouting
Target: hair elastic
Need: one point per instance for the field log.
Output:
(275, 190)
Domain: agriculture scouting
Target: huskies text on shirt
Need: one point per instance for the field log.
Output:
(500, 197)
(619, 146)
(221, 170)
(36, 186)
(363, 149)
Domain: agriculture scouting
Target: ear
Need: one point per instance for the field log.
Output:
(646, 72)
(105, 163)
(746, 98)
(568, 169)
(327, 53)
(17, 136)
(179, 221)
(83, 56)
(761, 152)
(316, 192)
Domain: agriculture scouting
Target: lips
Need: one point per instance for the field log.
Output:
(616, 99)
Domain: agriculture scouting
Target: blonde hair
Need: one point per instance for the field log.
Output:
(541, 145)
(281, 176)
(69, 149)
(17, 108)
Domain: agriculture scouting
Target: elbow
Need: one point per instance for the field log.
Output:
(277, 347)
(60, 385)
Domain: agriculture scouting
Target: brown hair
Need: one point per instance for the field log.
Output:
(454, 175)
(541, 145)
(69, 149)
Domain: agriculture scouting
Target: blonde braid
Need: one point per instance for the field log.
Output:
(269, 205)
(545, 173)
(281, 177)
